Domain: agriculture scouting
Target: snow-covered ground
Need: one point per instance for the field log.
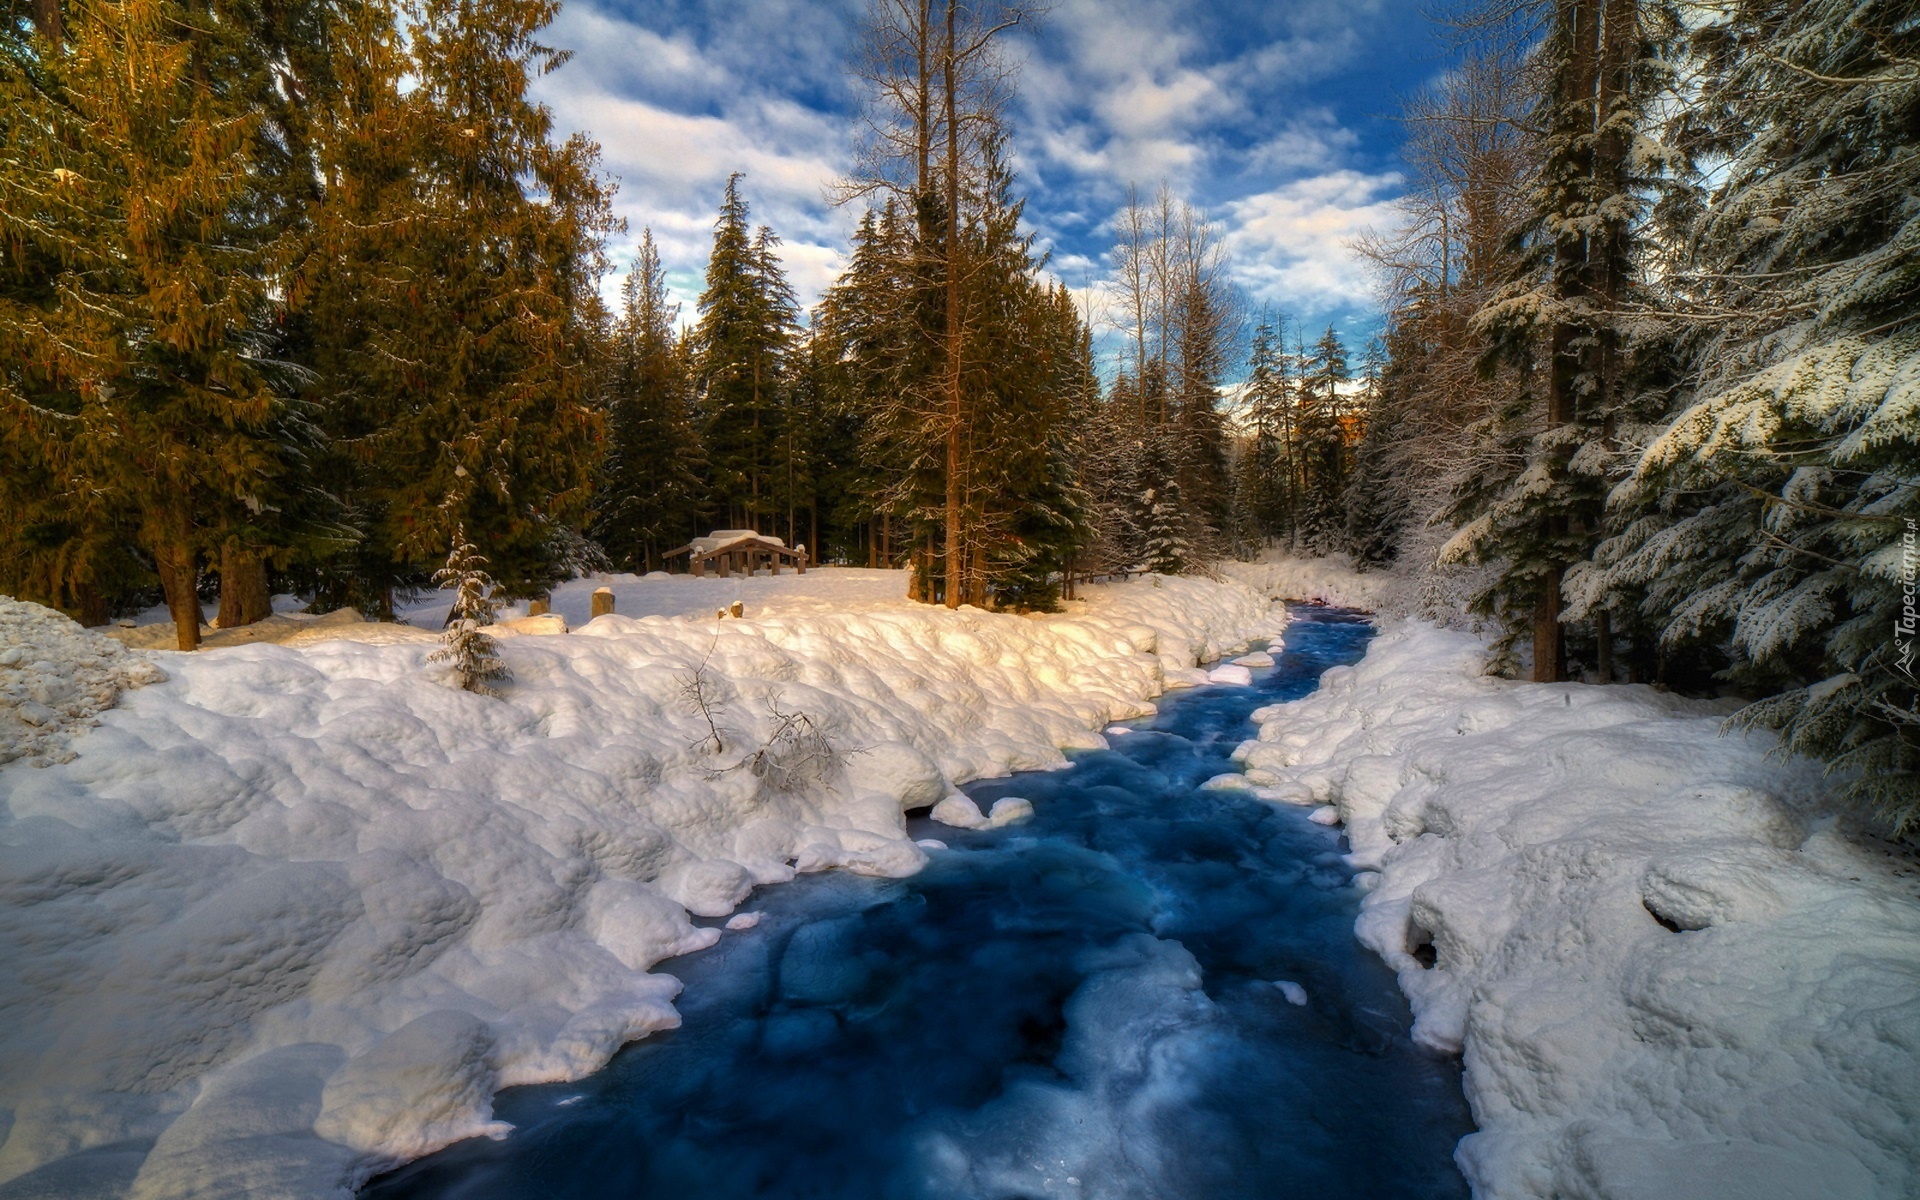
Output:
(1673, 974)
(296, 912)
(1320, 580)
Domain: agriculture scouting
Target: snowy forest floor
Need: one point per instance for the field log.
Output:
(296, 912)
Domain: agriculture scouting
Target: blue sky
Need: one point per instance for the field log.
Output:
(1274, 117)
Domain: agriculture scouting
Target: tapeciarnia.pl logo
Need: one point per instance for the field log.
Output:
(1904, 625)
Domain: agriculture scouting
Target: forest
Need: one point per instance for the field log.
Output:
(306, 296)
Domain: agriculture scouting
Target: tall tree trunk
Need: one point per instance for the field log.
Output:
(47, 20)
(244, 595)
(1575, 118)
(956, 562)
(1549, 649)
(1603, 644)
(90, 603)
(173, 560)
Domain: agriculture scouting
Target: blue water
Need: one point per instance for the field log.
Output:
(1084, 1005)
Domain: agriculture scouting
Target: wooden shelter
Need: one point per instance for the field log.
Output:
(739, 551)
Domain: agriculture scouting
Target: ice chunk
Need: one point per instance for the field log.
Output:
(1326, 814)
(745, 920)
(1294, 993)
(1259, 658)
(1230, 674)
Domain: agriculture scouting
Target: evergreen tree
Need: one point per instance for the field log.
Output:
(741, 348)
(1321, 431)
(1775, 514)
(136, 302)
(1604, 64)
(1375, 510)
(646, 501)
(1269, 485)
(474, 656)
(452, 294)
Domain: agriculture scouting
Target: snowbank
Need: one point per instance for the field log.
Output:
(55, 678)
(1321, 580)
(297, 913)
(1670, 974)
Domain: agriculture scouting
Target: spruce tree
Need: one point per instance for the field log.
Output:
(1542, 512)
(1321, 434)
(451, 291)
(741, 347)
(473, 654)
(138, 288)
(1775, 514)
(647, 497)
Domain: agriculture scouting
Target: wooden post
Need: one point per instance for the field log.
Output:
(602, 601)
(737, 609)
(697, 564)
(800, 562)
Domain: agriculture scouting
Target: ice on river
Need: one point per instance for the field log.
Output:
(298, 912)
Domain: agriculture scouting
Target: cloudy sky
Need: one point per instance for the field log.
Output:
(1275, 116)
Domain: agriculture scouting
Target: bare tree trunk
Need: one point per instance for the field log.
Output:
(1549, 649)
(91, 603)
(955, 412)
(1603, 639)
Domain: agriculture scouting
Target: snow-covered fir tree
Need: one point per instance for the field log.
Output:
(473, 654)
(1774, 514)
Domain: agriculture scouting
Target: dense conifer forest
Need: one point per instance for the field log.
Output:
(308, 296)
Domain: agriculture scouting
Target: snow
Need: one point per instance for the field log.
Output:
(296, 912)
(1327, 580)
(1670, 970)
(55, 679)
(1232, 675)
(1295, 994)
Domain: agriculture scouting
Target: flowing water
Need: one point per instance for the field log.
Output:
(1089, 1004)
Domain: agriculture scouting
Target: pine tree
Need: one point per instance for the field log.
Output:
(451, 290)
(741, 347)
(646, 500)
(1268, 475)
(1604, 65)
(474, 655)
(138, 290)
(1776, 512)
(1321, 432)
(1375, 509)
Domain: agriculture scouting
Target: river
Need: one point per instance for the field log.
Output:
(1149, 990)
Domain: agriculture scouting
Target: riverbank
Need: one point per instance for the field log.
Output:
(1149, 989)
(1670, 969)
(294, 914)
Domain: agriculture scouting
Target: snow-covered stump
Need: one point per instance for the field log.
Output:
(538, 607)
(603, 602)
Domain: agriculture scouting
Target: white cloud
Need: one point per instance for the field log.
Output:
(1289, 245)
(675, 118)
